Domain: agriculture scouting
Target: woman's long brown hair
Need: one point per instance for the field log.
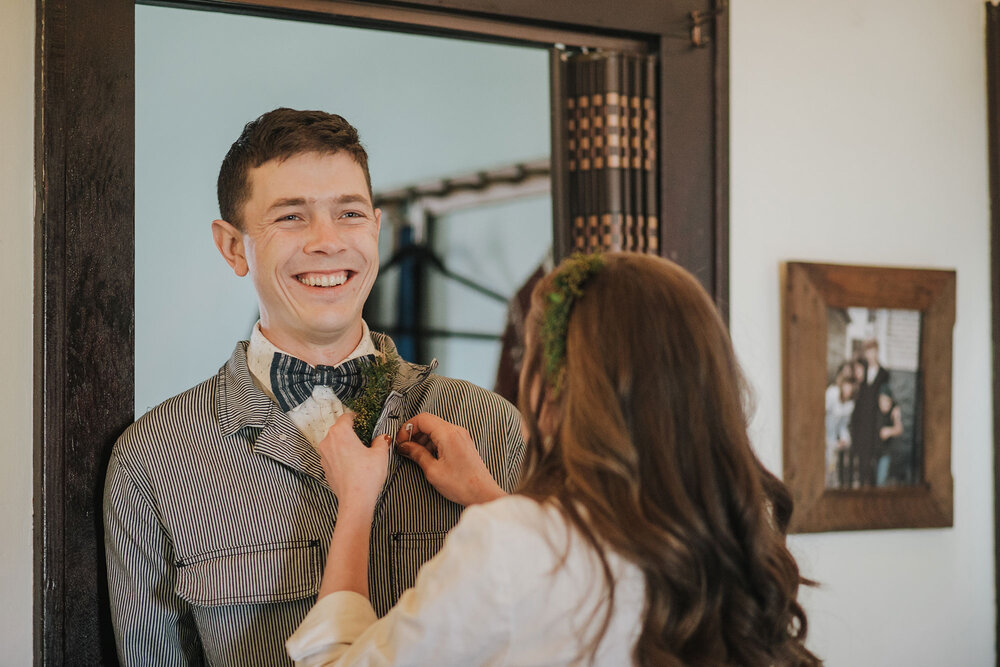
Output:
(645, 451)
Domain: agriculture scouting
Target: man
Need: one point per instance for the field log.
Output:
(217, 514)
(865, 419)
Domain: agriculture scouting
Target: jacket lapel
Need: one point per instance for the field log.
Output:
(282, 441)
(241, 404)
(401, 403)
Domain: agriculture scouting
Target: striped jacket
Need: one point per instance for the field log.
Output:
(218, 517)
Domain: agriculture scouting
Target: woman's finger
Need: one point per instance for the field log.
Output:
(416, 453)
(423, 424)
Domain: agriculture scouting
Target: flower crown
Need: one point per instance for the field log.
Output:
(567, 286)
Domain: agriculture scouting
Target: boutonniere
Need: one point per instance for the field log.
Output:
(367, 405)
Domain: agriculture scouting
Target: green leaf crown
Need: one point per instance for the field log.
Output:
(566, 288)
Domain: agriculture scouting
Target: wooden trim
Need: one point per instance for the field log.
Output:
(49, 325)
(561, 224)
(85, 241)
(687, 170)
(637, 17)
(425, 21)
(720, 160)
(83, 311)
(993, 122)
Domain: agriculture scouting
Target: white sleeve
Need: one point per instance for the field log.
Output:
(457, 613)
(831, 397)
(329, 628)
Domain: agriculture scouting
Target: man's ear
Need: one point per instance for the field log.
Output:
(378, 221)
(229, 241)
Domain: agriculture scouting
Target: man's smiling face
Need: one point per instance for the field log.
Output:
(309, 240)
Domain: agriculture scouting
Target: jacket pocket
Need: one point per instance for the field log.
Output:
(409, 551)
(254, 574)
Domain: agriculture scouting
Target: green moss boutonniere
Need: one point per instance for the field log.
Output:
(367, 406)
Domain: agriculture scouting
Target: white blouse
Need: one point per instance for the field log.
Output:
(497, 593)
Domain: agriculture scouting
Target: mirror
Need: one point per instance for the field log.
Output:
(426, 108)
(85, 214)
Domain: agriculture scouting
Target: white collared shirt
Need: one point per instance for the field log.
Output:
(316, 414)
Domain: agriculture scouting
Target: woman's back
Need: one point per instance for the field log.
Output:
(513, 585)
(555, 588)
(637, 412)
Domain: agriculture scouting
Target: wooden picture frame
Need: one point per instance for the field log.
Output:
(828, 500)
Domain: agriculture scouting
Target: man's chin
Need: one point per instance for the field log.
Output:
(329, 332)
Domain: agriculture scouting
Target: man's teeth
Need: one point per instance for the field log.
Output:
(323, 280)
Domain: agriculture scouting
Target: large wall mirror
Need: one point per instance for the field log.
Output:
(429, 110)
(136, 105)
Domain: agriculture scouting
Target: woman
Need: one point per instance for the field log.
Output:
(645, 530)
(890, 425)
(839, 406)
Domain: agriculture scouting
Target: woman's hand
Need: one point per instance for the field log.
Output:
(449, 459)
(355, 473)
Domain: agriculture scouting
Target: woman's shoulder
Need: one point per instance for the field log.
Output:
(513, 511)
(514, 521)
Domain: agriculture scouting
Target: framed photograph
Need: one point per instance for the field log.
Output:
(866, 362)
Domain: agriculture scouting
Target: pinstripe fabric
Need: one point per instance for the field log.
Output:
(218, 518)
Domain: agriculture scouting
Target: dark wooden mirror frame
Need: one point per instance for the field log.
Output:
(993, 128)
(84, 294)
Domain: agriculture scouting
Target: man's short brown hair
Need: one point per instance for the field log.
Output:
(279, 135)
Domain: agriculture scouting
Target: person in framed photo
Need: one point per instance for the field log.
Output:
(866, 419)
(889, 430)
(839, 407)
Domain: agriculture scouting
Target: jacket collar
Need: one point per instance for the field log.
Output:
(409, 375)
(241, 404)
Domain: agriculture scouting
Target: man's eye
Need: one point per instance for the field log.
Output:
(353, 214)
(290, 216)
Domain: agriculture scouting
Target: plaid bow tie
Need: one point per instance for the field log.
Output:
(292, 380)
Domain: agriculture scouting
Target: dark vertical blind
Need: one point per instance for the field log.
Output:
(611, 151)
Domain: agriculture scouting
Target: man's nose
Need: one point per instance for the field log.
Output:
(324, 236)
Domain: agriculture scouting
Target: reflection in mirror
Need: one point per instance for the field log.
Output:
(462, 248)
(426, 108)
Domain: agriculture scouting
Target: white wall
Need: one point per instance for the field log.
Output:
(859, 136)
(17, 112)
